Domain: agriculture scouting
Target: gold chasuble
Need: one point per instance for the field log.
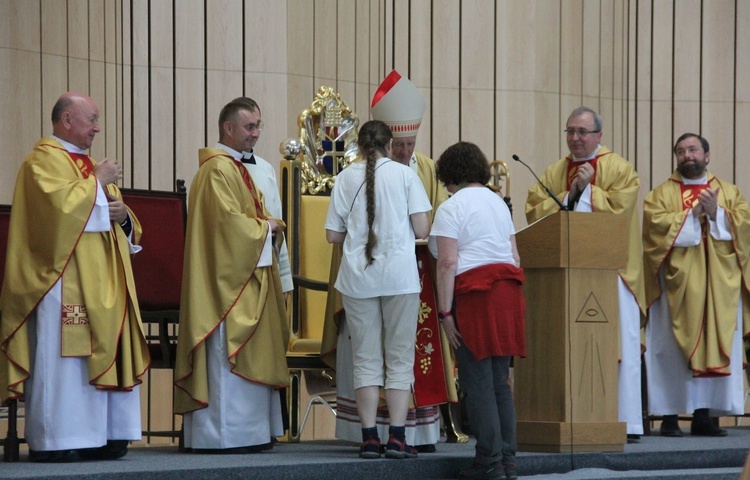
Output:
(100, 318)
(613, 190)
(704, 282)
(436, 192)
(226, 231)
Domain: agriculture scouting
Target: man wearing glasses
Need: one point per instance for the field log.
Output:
(231, 347)
(592, 178)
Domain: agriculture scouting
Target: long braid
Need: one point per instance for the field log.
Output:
(372, 158)
(373, 139)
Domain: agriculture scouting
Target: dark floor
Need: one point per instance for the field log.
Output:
(649, 457)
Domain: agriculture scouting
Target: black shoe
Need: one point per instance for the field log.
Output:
(429, 448)
(54, 456)
(670, 427)
(113, 450)
(706, 429)
(230, 451)
(633, 438)
(493, 471)
(269, 445)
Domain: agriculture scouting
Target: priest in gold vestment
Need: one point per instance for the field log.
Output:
(71, 340)
(231, 350)
(595, 179)
(696, 241)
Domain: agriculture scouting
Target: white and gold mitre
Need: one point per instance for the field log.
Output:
(398, 104)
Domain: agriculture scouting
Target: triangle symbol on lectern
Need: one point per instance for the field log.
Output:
(592, 311)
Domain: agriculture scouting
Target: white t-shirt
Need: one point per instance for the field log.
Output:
(398, 194)
(480, 222)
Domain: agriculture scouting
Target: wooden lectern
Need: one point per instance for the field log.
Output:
(566, 387)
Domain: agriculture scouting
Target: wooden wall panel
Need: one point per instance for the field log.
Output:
(190, 117)
(78, 46)
(264, 80)
(397, 43)
(325, 55)
(110, 108)
(717, 87)
(643, 76)
(161, 159)
(346, 50)
(548, 114)
(300, 35)
(140, 37)
(571, 52)
(658, 167)
(607, 67)
(742, 100)
(619, 78)
(477, 66)
(10, 17)
(591, 60)
(19, 78)
(360, 103)
(687, 67)
(445, 106)
(126, 102)
(224, 76)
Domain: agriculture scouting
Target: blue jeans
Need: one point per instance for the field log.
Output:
(485, 383)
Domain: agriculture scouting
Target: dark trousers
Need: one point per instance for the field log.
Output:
(489, 406)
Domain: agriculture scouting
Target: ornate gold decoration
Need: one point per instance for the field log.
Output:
(499, 173)
(327, 141)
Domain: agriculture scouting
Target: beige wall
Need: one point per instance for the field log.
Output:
(503, 74)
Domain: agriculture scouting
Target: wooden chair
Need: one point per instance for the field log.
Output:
(158, 276)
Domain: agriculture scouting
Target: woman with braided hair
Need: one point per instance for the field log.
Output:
(378, 209)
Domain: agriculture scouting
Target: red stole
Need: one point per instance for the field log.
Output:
(429, 374)
(83, 162)
(249, 184)
(689, 194)
(573, 168)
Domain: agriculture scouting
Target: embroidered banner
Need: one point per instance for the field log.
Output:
(429, 374)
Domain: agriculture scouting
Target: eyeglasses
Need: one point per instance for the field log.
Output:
(256, 127)
(581, 133)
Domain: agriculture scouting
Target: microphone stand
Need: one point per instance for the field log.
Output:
(549, 192)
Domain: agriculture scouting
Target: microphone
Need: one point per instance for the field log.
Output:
(549, 192)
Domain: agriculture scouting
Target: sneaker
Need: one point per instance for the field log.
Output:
(510, 472)
(476, 470)
(370, 448)
(399, 449)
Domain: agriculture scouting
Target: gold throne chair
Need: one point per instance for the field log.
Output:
(326, 144)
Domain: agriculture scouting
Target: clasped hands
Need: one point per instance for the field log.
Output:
(584, 175)
(707, 204)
